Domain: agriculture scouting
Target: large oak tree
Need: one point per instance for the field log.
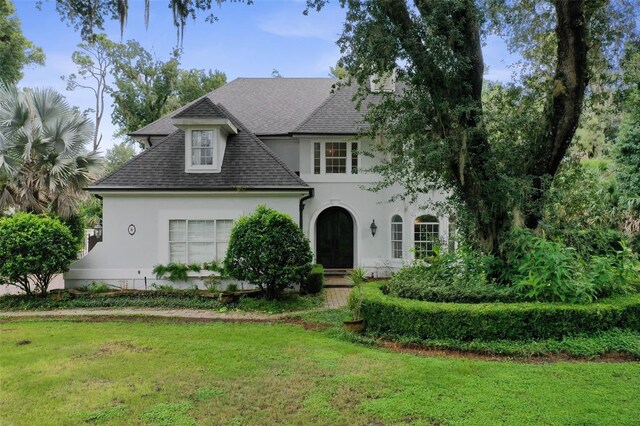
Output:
(495, 155)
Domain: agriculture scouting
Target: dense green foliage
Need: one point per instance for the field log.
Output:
(494, 153)
(15, 50)
(123, 372)
(534, 268)
(146, 88)
(32, 250)
(314, 283)
(268, 249)
(545, 270)
(175, 271)
(44, 164)
(495, 321)
(98, 295)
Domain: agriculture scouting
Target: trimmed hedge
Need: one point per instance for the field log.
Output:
(314, 283)
(493, 321)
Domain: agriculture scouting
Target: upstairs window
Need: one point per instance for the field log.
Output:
(335, 158)
(202, 148)
(396, 237)
(426, 234)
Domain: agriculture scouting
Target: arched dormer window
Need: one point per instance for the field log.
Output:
(426, 233)
(396, 237)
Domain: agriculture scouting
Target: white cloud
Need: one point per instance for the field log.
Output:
(325, 26)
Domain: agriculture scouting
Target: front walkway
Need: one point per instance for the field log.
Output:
(335, 298)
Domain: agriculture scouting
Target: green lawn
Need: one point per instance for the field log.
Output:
(171, 373)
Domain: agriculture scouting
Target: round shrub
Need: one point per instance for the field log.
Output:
(33, 248)
(269, 250)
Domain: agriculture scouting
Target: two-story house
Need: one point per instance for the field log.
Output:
(289, 143)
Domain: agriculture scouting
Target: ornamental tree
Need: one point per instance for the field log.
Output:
(34, 248)
(269, 250)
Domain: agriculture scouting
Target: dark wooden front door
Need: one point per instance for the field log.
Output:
(334, 239)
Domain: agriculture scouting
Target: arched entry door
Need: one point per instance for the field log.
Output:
(334, 238)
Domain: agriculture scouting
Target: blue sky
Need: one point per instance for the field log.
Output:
(246, 41)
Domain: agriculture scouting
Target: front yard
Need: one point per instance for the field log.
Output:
(180, 373)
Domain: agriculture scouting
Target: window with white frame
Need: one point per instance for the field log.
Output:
(202, 148)
(335, 158)
(426, 232)
(198, 241)
(396, 237)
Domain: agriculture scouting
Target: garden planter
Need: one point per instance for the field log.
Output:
(227, 298)
(355, 326)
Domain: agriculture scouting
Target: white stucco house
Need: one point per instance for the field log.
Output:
(289, 143)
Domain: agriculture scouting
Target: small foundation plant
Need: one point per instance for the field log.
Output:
(354, 303)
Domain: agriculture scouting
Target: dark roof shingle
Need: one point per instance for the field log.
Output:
(266, 106)
(247, 164)
(202, 108)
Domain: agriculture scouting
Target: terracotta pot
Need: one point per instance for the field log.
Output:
(354, 326)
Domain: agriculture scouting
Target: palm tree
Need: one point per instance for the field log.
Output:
(44, 162)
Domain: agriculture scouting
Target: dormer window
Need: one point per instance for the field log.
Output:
(202, 152)
(206, 130)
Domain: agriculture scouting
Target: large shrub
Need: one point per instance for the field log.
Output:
(544, 270)
(269, 250)
(33, 248)
(453, 276)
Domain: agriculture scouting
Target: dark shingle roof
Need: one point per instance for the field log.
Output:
(202, 108)
(247, 164)
(338, 114)
(266, 106)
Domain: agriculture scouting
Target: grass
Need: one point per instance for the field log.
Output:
(151, 299)
(168, 373)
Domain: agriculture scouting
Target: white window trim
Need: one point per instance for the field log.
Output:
(401, 240)
(186, 242)
(413, 229)
(323, 158)
(190, 168)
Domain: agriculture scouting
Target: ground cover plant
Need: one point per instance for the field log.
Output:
(184, 299)
(162, 372)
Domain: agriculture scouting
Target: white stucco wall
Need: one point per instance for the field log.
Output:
(125, 260)
(347, 191)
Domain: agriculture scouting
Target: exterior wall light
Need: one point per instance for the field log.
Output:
(374, 228)
(98, 231)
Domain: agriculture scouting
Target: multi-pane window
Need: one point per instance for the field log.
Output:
(396, 237)
(335, 154)
(354, 158)
(202, 147)
(198, 241)
(335, 158)
(316, 158)
(426, 231)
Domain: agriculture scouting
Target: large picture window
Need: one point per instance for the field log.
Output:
(202, 147)
(198, 241)
(396, 237)
(335, 158)
(426, 232)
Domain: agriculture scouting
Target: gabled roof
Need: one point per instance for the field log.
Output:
(266, 106)
(247, 164)
(338, 114)
(202, 108)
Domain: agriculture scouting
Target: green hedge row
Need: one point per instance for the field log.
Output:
(491, 321)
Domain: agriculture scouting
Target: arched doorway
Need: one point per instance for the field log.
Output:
(334, 238)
